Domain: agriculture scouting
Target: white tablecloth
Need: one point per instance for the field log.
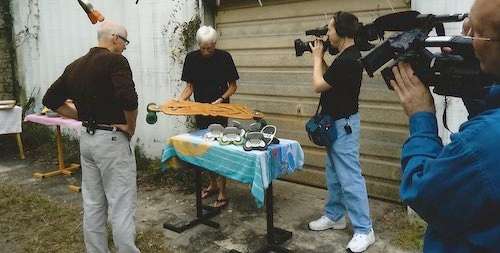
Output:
(10, 120)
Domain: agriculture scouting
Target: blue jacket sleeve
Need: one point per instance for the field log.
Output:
(423, 145)
(442, 184)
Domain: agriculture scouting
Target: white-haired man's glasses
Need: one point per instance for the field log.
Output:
(483, 38)
(122, 38)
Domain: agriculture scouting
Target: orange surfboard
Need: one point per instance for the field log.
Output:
(186, 108)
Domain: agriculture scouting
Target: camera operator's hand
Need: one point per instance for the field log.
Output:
(317, 49)
(414, 95)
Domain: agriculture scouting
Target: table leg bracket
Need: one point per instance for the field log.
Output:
(68, 171)
(207, 214)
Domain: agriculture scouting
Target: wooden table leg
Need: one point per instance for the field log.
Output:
(60, 151)
(20, 146)
(74, 188)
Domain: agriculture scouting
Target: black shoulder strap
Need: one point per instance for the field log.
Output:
(319, 105)
(445, 115)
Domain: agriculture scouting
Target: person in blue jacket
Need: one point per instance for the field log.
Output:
(456, 188)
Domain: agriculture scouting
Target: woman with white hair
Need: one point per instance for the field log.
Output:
(211, 75)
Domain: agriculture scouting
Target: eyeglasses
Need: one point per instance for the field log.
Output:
(483, 38)
(123, 38)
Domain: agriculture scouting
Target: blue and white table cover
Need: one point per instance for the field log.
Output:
(257, 168)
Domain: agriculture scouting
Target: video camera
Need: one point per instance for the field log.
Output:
(301, 46)
(453, 72)
(365, 34)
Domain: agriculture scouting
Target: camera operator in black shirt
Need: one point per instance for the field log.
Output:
(339, 86)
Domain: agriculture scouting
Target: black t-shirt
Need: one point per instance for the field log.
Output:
(344, 75)
(209, 76)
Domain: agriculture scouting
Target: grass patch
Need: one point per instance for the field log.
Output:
(410, 236)
(33, 136)
(401, 232)
(33, 223)
(149, 176)
(152, 178)
(39, 143)
(143, 162)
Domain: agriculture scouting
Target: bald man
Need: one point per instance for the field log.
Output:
(455, 188)
(101, 86)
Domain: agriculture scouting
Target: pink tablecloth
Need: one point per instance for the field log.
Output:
(53, 121)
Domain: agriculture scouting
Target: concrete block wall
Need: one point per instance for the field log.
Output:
(6, 61)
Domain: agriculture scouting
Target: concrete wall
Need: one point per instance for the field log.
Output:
(456, 112)
(52, 33)
(7, 80)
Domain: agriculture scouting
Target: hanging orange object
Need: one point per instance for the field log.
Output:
(93, 14)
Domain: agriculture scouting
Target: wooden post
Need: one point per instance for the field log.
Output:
(60, 151)
(20, 146)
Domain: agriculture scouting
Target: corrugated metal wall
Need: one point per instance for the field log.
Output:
(52, 33)
(274, 81)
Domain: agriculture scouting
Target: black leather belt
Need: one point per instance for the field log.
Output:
(91, 127)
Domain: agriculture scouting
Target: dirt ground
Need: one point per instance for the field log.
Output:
(44, 216)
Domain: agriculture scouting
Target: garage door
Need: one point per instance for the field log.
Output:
(276, 82)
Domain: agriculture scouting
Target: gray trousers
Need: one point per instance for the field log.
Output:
(108, 181)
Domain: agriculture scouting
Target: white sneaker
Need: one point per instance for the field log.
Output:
(360, 242)
(325, 223)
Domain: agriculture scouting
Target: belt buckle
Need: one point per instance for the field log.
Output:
(91, 127)
(90, 131)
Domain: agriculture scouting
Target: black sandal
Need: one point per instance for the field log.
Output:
(221, 203)
(206, 193)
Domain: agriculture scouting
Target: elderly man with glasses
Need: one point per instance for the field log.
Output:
(101, 86)
(455, 187)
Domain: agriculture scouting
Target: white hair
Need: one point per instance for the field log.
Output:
(206, 34)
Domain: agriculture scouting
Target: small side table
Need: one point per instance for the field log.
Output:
(62, 168)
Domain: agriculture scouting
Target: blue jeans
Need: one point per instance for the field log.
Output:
(346, 185)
